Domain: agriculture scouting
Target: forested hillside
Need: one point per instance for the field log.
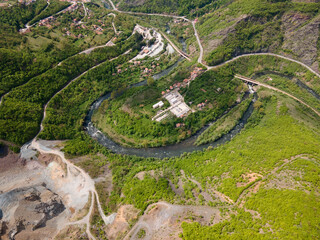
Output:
(232, 28)
(155, 126)
(180, 7)
(249, 26)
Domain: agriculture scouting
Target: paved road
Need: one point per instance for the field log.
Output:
(87, 51)
(87, 178)
(200, 59)
(85, 10)
(27, 26)
(268, 54)
(45, 107)
(161, 15)
(176, 48)
(200, 45)
(276, 89)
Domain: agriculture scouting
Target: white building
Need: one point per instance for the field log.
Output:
(158, 105)
(180, 110)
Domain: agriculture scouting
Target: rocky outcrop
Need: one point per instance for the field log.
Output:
(27, 210)
(301, 34)
(216, 38)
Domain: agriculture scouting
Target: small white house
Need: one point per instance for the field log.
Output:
(158, 105)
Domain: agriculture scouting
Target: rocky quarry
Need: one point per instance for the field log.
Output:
(32, 204)
(27, 210)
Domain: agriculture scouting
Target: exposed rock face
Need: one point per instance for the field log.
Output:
(27, 210)
(301, 39)
(36, 196)
(216, 38)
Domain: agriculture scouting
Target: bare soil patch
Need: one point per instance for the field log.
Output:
(125, 215)
(163, 220)
(72, 233)
(248, 178)
(9, 160)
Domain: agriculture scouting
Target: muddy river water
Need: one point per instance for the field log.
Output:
(158, 152)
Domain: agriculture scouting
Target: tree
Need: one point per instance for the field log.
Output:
(150, 81)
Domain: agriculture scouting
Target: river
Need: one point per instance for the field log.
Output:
(294, 79)
(159, 152)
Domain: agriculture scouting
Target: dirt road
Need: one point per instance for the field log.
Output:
(276, 89)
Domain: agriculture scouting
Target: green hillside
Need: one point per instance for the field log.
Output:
(243, 162)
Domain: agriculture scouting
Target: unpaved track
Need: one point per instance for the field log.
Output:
(88, 183)
(87, 51)
(222, 197)
(86, 220)
(267, 54)
(276, 89)
(161, 219)
(246, 192)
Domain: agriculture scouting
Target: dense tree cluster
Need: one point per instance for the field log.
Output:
(54, 7)
(14, 18)
(128, 119)
(261, 31)
(181, 7)
(21, 111)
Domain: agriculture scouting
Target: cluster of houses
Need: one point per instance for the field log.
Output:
(150, 70)
(68, 33)
(195, 73)
(179, 125)
(147, 71)
(25, 2)
(72, 1)
(71, 8)
(98, 30)
(47, 21)
(200, 106)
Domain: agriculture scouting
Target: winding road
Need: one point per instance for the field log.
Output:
(200, 45)
(88, 184)
(87, 51)
(267, 54)
(27, 26)
(88, 181)
(200, 58)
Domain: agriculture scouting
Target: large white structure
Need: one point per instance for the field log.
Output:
(178, 107)
(158, 105)
(149, 34)
(180, 110)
